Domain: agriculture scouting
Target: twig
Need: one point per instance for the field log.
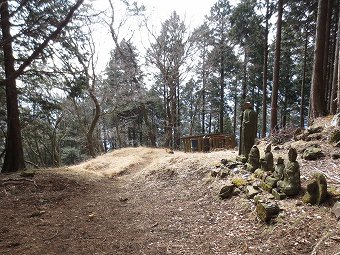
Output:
(17, 181)
(314, 252)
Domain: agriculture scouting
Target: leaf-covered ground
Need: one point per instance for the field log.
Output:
(148, 201)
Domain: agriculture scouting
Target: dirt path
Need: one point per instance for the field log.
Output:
(145, 201)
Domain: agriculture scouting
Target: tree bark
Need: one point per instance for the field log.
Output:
(302, 102)
(89, 134)
(221, 90)
(265, 75)
(14, 157)
(335, 80)
(276, 72)
(318, 103)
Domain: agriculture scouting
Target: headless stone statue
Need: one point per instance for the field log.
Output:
(267, 163)
(253, 159)
(291, 183)
(248, 130)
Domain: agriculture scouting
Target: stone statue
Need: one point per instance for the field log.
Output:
(316, 190)
(248, 129)
(253, 159)
(291, 184)
(267, 163)
(279, 169)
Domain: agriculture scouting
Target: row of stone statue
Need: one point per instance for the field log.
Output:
(283, 178)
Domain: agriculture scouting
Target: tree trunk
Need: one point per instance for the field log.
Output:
(302, 102)
(265, 75)
(318, 103)
(244, 80)
(276, 72)
(327, 60)
(235, 107)
(151, 132)
(335, 80)
(221, 92)
(14, 157)
(89, 134)
(204, 81)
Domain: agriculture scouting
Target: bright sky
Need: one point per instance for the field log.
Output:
(191, 11)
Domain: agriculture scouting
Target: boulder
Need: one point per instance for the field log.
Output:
(267, 210)
(251, 191)
(314, 137)
(225, 190)
(214, 172)
(271, 182)
(259, 173)
(316, 190)
(224, 173)
(312, 153)
(314, 129)
(278, 195)
(334, 136)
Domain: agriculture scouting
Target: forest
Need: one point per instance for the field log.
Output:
(57, 109)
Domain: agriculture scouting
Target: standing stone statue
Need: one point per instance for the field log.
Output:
(291, 184)
(248, 129)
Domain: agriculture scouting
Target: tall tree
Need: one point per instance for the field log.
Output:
(318, 102)
(265, 70)
(276, 72)
(219, 20)
(169, 53)
(14, 157)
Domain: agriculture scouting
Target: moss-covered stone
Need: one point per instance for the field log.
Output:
(225, 190)
(278, 195)
(312, 153)
(271, 181)
(334, 136)
(28, 173)
(316, 190)
(224, 173)
(251, 191)
(267, 210)
(214, 172)
(258, 173)
(239, 182)
(242, 159)
(314, 129)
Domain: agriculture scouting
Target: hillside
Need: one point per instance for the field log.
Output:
(148, 201)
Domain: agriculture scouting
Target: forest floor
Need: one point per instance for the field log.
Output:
(148, 201)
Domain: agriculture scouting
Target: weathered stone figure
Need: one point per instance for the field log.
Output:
(253, 159)
(248, 130)
(291, 184)
(279, 169)
(267, 163)
(316, 191)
